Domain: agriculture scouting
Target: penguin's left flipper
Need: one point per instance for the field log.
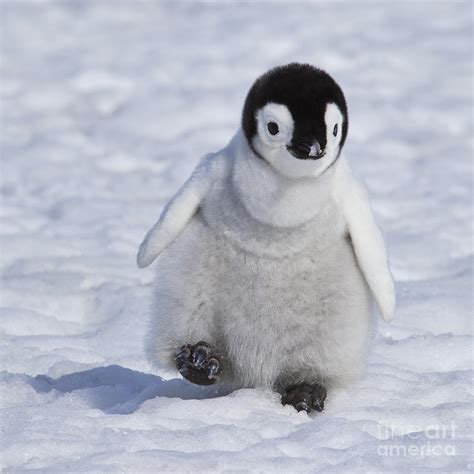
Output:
(198, 364)
(305, 397)
(367, 241)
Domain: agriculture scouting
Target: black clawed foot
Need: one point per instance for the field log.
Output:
(213, 368)
(198, 364)
(305, 397)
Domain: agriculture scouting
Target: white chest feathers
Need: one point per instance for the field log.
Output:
(270, 215)
(271, 198)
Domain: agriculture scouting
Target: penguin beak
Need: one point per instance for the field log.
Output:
(305, 150)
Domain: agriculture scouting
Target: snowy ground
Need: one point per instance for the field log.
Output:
(106, 107)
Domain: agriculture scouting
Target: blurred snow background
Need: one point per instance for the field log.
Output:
(106, 108)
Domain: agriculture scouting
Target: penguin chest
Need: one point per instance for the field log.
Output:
(277, 271)
(280, 315)
(284, 297)
(299, 290)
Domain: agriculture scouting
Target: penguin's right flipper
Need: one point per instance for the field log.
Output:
(179, 211)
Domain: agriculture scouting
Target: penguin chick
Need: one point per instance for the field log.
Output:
(269, 254)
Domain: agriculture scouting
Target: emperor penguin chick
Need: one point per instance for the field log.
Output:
(269, 253)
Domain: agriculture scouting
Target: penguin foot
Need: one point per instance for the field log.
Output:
(305, 397)
(198, 364)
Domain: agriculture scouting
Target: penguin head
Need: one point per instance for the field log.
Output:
(295, 118)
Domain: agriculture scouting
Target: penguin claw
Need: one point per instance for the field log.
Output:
(197, 364)
(183, 354)
(201, 354)
(302, 406)
(318, 405)
(213, 368)
(305, 397)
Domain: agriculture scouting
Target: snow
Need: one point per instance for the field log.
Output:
(106, 108)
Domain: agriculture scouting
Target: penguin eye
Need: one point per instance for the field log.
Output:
(272, 128)
(334, 132)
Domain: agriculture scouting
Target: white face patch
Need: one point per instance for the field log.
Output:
(274, 118)
(333, 120)
(275, 127)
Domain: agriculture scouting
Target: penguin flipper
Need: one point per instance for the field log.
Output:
(368, 243)
(180, 210)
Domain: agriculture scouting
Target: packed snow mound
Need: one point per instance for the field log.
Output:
(106, 109)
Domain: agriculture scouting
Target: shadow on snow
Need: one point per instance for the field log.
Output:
(118, 390)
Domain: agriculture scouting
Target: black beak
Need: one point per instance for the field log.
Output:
(306, 150)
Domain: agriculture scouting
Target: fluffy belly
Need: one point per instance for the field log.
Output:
(302, 316)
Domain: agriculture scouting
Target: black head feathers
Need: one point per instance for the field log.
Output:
(305, 90)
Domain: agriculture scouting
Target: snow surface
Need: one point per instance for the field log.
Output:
(106, 108)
